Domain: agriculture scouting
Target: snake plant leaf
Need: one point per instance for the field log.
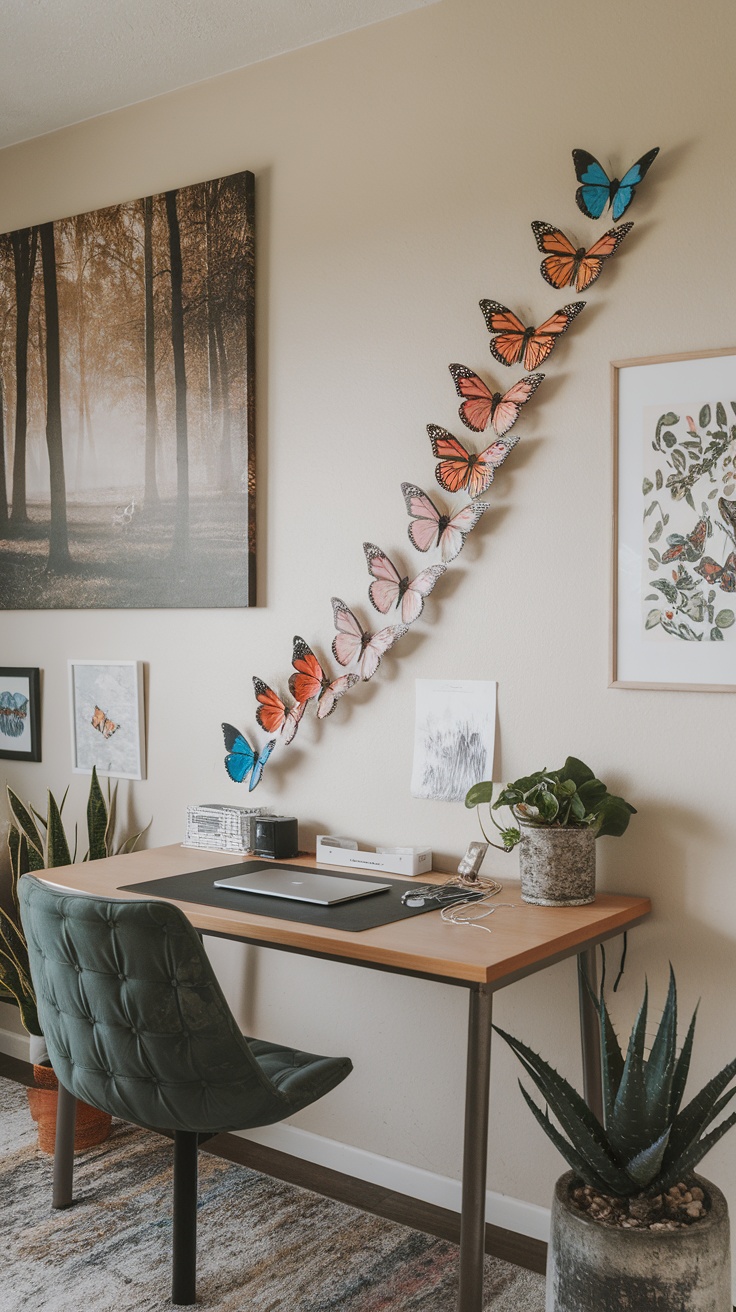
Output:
(573, 1114)
(57, 847)
(625, 1125)
(693, 1118)
(96, 819)
(25, 822)
(112, 804)
(688, 1161)
(573, 1158)
(646, 1166)
(17, 984)
(132, 842)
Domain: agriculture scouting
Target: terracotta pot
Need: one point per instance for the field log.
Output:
(599, 1268)
(557, 865)
(92, 1126)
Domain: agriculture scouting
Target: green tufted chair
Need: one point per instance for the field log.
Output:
(136, 1024)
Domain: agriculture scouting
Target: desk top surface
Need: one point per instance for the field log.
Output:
(524, 938)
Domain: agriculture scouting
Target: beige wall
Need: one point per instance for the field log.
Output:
(398, 171)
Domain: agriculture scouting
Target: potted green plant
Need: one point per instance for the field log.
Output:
(632, 1225)
(37, 842)
(559, 814)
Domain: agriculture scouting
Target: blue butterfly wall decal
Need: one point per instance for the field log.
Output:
(242, 759)
(598, 190)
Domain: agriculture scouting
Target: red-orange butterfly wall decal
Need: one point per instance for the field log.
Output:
(481, 406)
(564, 265)
(512, 341)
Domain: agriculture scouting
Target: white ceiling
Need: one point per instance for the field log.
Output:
(62, 61)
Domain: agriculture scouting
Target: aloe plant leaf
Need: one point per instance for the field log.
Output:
(660, 1066)
(24, 821)
(687, 1161)
(682, 1068)
(625, 1123)
(573, 1113)
(646, 1165)
(57, 847)
(573, 1158)
(612, 1060)
(689, 1124)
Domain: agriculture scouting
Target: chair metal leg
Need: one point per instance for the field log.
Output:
(63, 1179)
(590, 1033)
(184, 1262)
(473, 1215)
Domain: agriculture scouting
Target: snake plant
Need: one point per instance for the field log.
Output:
(648, 1141)
(36, 842)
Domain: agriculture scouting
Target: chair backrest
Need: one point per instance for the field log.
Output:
(134, 1019)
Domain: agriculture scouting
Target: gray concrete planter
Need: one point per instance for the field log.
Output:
(557, 865)
(597, 1268)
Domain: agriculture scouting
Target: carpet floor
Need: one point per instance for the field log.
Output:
(264, 1246)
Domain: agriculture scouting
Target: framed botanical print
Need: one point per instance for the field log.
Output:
(20, 714)
(674, 548)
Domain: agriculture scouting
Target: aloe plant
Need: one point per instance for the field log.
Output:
(570, 796)
(37, 842)
(647, 1141)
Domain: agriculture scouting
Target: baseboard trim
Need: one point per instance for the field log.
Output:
(14, 1045)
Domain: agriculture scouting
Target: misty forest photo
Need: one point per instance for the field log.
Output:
(127, 474)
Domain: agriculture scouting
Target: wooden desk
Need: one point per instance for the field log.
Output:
(525, 939)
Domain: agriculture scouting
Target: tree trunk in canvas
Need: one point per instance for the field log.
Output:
(58, 535)
(150, 494)
(3, 479)
(24, 242)
(181, 525)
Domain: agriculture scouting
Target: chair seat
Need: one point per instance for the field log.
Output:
(302, 1077)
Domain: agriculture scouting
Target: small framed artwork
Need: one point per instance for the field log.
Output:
(20, 714)
(108, 728)
(674, 522)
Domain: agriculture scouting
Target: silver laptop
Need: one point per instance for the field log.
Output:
(301, 886)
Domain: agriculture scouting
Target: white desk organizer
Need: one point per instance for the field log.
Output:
(386, 860)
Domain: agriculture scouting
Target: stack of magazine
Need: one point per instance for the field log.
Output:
(220, 828)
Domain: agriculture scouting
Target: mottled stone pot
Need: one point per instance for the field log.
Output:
(597, 1268)
(557, 865)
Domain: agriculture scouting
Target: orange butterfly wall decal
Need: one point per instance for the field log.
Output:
(462, 471)
(481, 406)
(512, 342)
(564, 265)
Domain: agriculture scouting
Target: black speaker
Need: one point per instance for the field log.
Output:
(276, 836)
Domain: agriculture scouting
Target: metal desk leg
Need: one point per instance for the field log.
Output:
(66, 1118)
(473, 1215)
(590, 1035)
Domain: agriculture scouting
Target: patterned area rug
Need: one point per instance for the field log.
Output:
(263, 1246)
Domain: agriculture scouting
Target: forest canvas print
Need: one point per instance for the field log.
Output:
(127, 473)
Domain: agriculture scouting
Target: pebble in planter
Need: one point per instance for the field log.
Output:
(632, 1226)
(559, 815)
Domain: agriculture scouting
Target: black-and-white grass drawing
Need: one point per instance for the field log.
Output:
(454, 737)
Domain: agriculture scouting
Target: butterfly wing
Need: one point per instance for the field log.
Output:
(728, 580)
(385, 590)
(507, 345)
(709, 569)
(333, 692)
(291, 723)
(481, 475)
(545, 337)
(454, 470)
(627, 186)
(452, 537)
(349, 640)
(241, 758)
(507, 411)
(309, 678)
(426, 517)
(259, 766)
(477, 400)
(412, 602)
(271, 712)
(377, 647)
(591, 265)
(558, 269)
(594, 193)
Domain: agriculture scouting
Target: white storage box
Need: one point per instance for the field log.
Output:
(333, 851)
(218, 828)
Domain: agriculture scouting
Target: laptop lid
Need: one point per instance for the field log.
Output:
(301, 885)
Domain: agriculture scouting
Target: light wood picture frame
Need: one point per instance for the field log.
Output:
(107, 718)
(674, 522)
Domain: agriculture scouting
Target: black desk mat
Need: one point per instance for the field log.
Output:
(365, 913)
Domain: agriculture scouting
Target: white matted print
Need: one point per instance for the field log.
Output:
(454, 736)
(107, 718)
(674, 623)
